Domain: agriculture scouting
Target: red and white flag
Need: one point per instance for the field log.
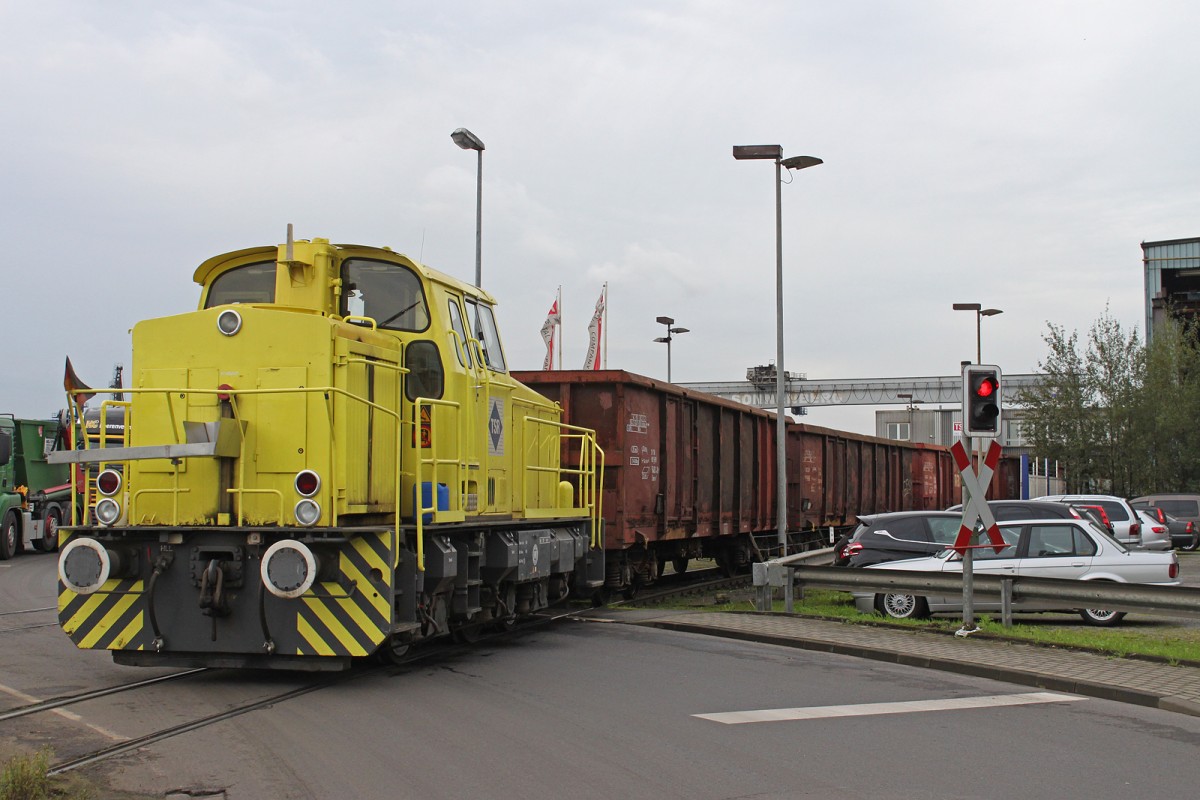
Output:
(596, 331)
(553, 321)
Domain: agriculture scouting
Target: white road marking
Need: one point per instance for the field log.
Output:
(870, 709)
(73, 717)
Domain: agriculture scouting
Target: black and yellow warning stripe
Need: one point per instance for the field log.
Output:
(109, 619)
(334, 620)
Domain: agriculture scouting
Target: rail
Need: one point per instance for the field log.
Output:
(1135, 597)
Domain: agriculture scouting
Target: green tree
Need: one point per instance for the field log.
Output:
(1120, 417)
(1114, 373)
(1058, 421)
(1169, 409)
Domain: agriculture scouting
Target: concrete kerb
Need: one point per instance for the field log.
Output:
(1008, 673)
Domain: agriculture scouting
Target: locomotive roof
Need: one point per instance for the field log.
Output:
(206, 270)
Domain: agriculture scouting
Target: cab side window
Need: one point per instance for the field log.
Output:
(425, 377)
(488, 336)
(390, 294)
(458, 337)
(251, 283)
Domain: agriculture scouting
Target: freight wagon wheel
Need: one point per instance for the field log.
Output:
(680, 563)
(49, 541)
(726, 563)
(10, 536)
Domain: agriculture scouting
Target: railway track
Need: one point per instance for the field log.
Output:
(83, 697)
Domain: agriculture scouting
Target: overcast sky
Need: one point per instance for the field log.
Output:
(1013, 154)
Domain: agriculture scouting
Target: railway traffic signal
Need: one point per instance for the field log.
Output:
(981, 400)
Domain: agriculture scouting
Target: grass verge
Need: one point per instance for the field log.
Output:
(1136, 636)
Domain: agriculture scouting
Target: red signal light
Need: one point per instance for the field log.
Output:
(986, 388)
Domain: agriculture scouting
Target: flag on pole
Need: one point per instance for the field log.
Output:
(596, 330)
(553, 320)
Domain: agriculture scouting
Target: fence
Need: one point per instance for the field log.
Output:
(1137, 597)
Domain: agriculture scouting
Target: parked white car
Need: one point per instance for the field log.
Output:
(1049, 548)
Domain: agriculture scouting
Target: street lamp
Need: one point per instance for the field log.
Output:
(775, 153)
(667, 339)
(469, 141)
(980, 313)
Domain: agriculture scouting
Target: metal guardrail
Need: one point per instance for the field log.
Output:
(1136, 597)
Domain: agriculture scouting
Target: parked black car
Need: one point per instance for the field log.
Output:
(1006, 510)
(890, 537)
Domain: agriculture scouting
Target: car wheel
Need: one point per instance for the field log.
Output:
(1194, 543)
(902, 606)
(1101, 618)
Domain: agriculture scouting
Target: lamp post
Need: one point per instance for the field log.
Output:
(469, 141)
(667, 339)
(775, 153)
(980, 313)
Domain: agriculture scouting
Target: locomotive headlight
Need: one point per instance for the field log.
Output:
(308, 512)
(229, 322)
(108, 511)
(84, 565)
(289, 569)
(108, 482)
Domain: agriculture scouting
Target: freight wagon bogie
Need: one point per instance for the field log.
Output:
(326, 460)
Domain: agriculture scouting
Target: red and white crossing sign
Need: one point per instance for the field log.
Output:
(975, 508)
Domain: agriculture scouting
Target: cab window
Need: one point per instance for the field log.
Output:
(488, 335)
(458, 339)
(390, 294)
(251, 283)
(425, 376)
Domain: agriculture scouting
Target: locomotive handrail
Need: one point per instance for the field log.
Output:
(591, 464)
(149, 452)
(419, 507)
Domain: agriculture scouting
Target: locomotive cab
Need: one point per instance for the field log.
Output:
(327, 458)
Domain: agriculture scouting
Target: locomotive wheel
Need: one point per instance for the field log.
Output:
(10, 536)
(680, 564)
(49, 541)
(466, 634)
(394, 650)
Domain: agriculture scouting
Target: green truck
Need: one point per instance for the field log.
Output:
(35, 496)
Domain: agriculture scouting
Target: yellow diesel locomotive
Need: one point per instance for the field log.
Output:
(326, 460)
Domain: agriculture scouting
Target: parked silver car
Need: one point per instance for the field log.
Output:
(1125, 523)
(1049, 548)
(1155, 535)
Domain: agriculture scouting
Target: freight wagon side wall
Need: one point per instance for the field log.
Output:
(678, 464)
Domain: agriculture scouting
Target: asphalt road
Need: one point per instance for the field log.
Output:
(590, 709)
